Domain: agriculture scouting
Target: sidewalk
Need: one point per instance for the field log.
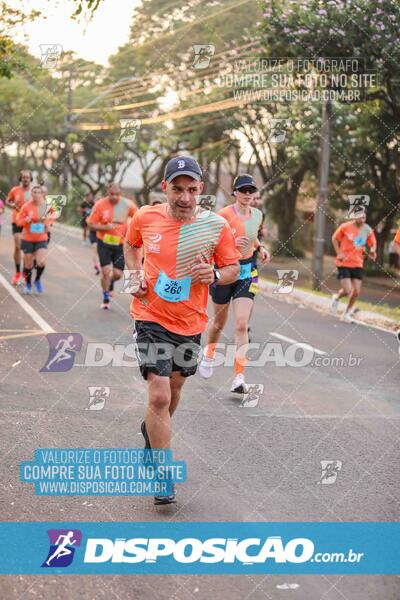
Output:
(376, 290)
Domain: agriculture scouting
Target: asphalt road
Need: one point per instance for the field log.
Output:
(244, 464)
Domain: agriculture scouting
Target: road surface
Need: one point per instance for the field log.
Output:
(244, 464)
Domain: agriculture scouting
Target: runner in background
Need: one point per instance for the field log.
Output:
(109, 218)
(95, 254)
(15, 200)
(35, 226)
(350, 242)
(245, 223)
(84, 209)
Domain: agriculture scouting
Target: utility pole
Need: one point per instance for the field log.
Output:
(66, 178)
(319, 218)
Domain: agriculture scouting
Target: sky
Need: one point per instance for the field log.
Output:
(94, 40)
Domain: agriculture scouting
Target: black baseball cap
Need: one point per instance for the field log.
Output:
(182, 165)
(244, 180)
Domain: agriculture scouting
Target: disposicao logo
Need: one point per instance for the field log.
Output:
(62, 547)
(191, 550)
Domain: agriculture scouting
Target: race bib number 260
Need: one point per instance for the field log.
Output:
(172, 290)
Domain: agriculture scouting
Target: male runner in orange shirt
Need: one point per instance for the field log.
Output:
(178, 242)
(15, 200)
(109, 218)
(350, 241)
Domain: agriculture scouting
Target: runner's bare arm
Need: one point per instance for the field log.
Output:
(133, 256)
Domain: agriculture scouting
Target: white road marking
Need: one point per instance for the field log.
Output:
(299, 344)
(20, 335)
(62, 248)
(27, 307)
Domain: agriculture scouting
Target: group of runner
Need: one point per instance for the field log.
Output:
(178, 254)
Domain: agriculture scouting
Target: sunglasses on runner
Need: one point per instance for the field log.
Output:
(247, 190)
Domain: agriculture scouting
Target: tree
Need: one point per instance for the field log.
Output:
(320, 29)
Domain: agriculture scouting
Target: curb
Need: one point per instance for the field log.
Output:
(323, 304)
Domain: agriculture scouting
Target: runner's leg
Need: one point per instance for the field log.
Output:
(177, 382)
(242, 308)
(158, 418)
(17, 251)
(346, 288)
(356, 289)
(217, 325)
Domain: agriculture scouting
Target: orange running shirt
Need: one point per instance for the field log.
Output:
(170, 247)
(353, 241)
(397, 237)
(19, 196)
(240, 227)
(31, 209)
(104, 212)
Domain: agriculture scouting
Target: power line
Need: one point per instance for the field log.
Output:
(181, 114)
(123, 107)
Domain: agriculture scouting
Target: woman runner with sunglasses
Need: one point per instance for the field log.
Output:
(245, 223)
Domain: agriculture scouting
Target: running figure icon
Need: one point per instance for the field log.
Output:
(62, 351)
(62, 546)
(63, 346)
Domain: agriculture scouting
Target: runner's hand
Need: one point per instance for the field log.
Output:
(372, 255)
(28, 219)
(142, 291)
(264, 254)
(340, 255)
(242, 241)
(202, 272)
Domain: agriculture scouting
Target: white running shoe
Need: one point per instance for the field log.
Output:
(238, 384)
(346, 317)
(335, 303)
(206, 367)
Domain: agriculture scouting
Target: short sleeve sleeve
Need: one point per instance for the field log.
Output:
(225, 252)
(338, 235)
(93, 218)
(134, 234)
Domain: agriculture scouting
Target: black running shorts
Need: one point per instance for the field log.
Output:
(350, 273)
(32, 247)
(109, 254)
(161, 352)
(241, 288)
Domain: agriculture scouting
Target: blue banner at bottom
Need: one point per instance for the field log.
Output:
(196, 547)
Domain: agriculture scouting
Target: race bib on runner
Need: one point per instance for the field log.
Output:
(245, 271)
(113, 240)
(36, 228)
(172, 290)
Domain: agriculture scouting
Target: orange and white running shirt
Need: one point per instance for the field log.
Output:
(36, 230)
(397, 237)
(170, 247)
(18, 195)
(240, 226)
(353, 241)
(104, 212)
